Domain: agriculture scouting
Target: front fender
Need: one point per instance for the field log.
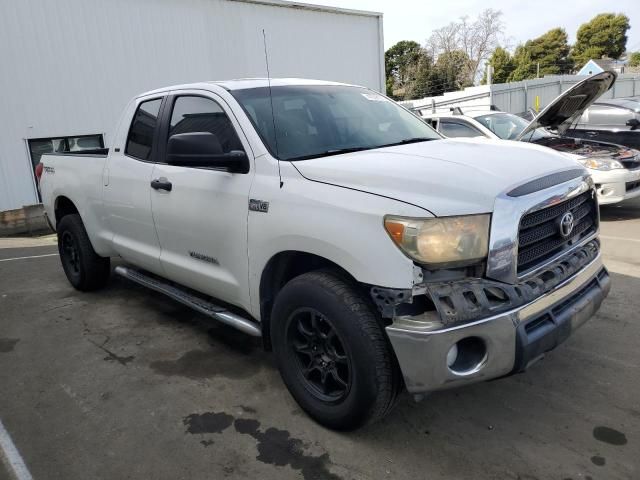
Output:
(339, 224)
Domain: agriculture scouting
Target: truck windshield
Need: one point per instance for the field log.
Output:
(508, 126)
(321, 120)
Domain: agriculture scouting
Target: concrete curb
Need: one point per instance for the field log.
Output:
(28, 220)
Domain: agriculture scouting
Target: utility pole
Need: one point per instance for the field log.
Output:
(489, 82)
(538, 71)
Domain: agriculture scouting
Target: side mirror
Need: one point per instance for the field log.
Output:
(633, 123)
(203, 149)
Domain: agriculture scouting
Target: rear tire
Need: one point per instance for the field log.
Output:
(332, 351)
(85, 269)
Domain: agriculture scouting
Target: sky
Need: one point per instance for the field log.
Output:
(524, 19)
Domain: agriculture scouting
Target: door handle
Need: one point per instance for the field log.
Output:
(591, 133)
(161, 184)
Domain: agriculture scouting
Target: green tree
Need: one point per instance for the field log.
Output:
(400, 63)
(451, 72)
(524, 66)
(389, 84)
(549, 52)
(603, 35)
(634, 59)
(424, 79)
(502, 64)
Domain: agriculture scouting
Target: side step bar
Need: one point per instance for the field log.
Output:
(186, 298)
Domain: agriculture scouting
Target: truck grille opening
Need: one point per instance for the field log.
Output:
(540, 238)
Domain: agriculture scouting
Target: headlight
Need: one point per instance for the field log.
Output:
(436, 241)
(601, 163)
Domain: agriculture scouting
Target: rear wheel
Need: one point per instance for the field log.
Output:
(85, 269)
(332, 351)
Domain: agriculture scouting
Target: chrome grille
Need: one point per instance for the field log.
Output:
(539, 237)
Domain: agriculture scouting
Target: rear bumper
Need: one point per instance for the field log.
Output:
(498, 345)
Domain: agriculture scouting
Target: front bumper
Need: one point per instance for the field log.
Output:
(511, 340)
(616, 185)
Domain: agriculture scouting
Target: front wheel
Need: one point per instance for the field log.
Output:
(85, 269)
(332, 351)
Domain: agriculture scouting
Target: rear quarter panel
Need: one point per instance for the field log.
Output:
(80, 179)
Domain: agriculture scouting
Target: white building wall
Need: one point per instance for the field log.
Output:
(70, 66)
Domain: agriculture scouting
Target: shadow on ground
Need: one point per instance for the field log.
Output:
(629, 210)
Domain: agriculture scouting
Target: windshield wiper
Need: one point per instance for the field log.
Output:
(328, 153)
(407, 141)
(338, 151)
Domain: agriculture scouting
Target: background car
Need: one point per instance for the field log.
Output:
(615, 168)
(616, 120)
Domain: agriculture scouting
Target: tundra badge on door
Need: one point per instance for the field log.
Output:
(204, 258)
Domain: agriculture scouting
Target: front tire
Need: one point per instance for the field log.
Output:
(332, 352)
(85, 269)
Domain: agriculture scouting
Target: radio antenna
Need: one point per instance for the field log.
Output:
(273, 116)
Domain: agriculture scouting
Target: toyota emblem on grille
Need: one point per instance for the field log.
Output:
(566, 224)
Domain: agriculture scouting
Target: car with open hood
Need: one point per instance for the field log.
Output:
(615, 168)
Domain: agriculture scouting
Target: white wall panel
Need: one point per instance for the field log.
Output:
(69, 67)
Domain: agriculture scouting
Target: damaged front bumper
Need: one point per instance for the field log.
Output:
(502, 332)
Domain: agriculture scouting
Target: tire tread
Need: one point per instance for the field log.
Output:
(387, 371)
(95, 270)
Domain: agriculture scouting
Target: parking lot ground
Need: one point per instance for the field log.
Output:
(127, 384)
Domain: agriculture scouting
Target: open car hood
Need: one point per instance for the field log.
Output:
(568, 107)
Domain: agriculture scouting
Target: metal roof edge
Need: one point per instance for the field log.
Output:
(312, 7)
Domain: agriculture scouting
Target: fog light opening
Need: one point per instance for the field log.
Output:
(452, 355)
(467, 356)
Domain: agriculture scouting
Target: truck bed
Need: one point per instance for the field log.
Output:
(77, 176)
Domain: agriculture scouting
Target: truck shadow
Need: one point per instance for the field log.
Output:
(629, 210)
(553, 402)
(189, 345)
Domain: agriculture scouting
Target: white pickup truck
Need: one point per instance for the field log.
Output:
(369, 253)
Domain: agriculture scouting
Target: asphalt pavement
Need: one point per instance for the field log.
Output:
(127, 384)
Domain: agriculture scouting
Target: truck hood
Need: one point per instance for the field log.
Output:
(444, 177)
(570, 105)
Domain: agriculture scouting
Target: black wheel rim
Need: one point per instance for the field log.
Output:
(319, 353)
(70, 253)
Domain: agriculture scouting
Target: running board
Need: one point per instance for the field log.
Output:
(186, 298)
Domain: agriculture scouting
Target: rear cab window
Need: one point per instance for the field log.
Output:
(142, 129)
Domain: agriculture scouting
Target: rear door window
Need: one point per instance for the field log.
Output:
(143, 126)
(458, 130)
